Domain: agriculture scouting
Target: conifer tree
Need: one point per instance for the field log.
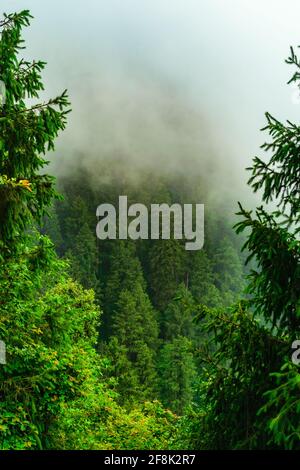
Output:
(249, 383)
(167, 270)
(177, 318)
(202, 280)
(51, 226)
(26, 133)
(177, 374)
(80, 243)
(228, 272)
(131, 324)
(135, 328)
(122, 273)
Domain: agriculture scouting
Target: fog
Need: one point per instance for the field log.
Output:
(166, 84)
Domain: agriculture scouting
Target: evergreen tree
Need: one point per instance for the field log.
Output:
(135, 327)
(130, 324)
(178, 316)
(202, 280)
(177, 374)
(26, 133)
(51, 226)
(249, 385)
(123, 272)
(80, 243)
(52, 389)
(228, 272)
(167, 269)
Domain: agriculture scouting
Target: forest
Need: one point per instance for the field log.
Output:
(141, 344)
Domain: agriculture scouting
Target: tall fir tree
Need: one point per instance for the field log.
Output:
(166, 268)
(134, 334)
(177, 374)
(122, 271)
(27, 132)
(202, 281)
(177, 318)
(228, 272)
(131, 325)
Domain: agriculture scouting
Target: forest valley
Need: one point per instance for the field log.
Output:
(123, 344)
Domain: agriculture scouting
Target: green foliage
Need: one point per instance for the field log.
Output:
(283, 404)
(248, 387)
(167, 329)
(53, 394)
(166, 268)
(137, 276)
(124, 272)
(26, 133)
(202, 281)
(52, 388)
(50, 226)
(148, 427)
(273, 237)
(177, 319)
(83, 258)
(49, 325)
(177, 374)
(236, 362)
(101, 424)
(134, 331)
(228, 272)
(275, 291)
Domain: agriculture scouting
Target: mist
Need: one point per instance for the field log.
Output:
(166, 85)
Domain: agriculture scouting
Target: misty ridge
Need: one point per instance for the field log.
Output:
(127, 131)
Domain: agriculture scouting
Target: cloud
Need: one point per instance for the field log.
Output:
(166, 84)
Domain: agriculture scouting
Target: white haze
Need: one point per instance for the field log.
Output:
(166, 84)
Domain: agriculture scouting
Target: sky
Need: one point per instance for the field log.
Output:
(166, 83)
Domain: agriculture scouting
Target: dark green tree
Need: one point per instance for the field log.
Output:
(167, 268)
(228, 272)
(177, 374)
(81, 247)
(274, 243)
(122, 272)
(49, 325)
(52, 390)
(249, 386)
(177, 318)
(135, 326)
(202, 280)
(26, 133)
(51, 226)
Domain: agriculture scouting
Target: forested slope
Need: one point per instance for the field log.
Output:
(123, 344)
(148, 289)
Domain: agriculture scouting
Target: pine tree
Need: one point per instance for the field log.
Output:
(177, 318)
(177, 374)
(80, 242)
(130, 324)
(202, 280)
(83, 259)
(273, 241)
(48, 322)
(122, 273)
(228, 272)
(26, 133)
(135, 327)
(248, 384)
(167, 259)
(50, 226)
